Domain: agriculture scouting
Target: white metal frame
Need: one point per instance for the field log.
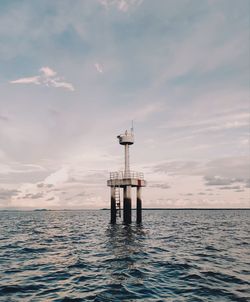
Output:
(126, 175)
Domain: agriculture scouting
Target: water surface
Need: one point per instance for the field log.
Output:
(177, 255)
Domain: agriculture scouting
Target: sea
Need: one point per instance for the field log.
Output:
(175, 255)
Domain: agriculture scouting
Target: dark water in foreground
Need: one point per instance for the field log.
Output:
(183, 255)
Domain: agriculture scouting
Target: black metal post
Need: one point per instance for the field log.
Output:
(138, 206)
(113, 206)
(127, 205)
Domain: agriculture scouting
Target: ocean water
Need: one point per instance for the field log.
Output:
(176, 255)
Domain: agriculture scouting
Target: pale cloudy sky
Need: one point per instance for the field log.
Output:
(75, 73)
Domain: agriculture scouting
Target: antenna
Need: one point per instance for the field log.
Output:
(132, 127)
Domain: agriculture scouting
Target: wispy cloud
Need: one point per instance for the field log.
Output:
(121, 5)
(48, 72)
(160, 185)
(141, 114)
(220, 181)
(222, 172)
(29, 80)
(98, 67)
(214, 170)
(48, 77)
(4, 118)
(217, 123)
(198, 53)
(63, 186)
(5, 193)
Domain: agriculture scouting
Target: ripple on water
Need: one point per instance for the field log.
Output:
(76, 256)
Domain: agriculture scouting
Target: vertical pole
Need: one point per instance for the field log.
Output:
(126, 161)
(138, 206)
(113, 206)
(127, 205)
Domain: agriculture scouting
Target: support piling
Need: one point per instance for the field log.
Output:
(127, 205)
(138, 206)
(113, 206)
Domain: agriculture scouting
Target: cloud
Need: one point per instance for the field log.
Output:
(178, 167)
(50, 199)
(43, 185)
(221, 172)
(47, 78)
(188, 194)
(4, 118)
(245, 141)
(121, 5)
(229, 167)
(68, 187)
(6, 194)
(33, 196)
(30, 80)
(198, 53)
(225, 167)
(48, 72)
(81, 194)
(142, 113)
(160, 185)
(15, 172)
(248, 183)
(98, 67)
(222, 121)
(57, 177)
(237, 188)
(219, 181)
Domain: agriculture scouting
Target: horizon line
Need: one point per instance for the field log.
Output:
(107, 209)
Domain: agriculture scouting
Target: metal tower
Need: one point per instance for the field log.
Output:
(126, 180)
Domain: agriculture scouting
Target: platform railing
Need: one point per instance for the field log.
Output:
(126, 175)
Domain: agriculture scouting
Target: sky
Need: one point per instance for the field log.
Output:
(74, 74)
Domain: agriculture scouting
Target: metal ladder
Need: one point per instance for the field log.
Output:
(118, 201)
